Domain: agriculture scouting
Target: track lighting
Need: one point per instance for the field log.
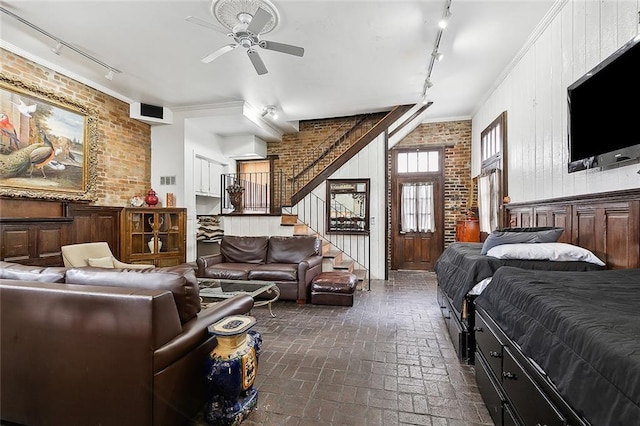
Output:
(271, 110)
(61, 43)
(444, 21)
(57, 49)
(438, 55)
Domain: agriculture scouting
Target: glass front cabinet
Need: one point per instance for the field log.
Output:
(154, 235)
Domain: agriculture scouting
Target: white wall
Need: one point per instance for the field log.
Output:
(534, 93)
(173, 147)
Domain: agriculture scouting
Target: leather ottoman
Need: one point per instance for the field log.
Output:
(333, 288)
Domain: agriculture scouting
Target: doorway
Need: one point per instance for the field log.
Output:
(417, 208)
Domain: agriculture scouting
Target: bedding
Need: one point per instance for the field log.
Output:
(557, 252)
(581, 329)
(521, 235)
(461, 266)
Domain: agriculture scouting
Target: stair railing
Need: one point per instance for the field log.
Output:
(312, 212)
(330, 149)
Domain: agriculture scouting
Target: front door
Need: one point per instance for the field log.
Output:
(417, 216)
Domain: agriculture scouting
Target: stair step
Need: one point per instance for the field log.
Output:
(345, 265)
(288, 219)
(360, 273)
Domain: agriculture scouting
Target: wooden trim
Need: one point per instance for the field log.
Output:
(608, 224)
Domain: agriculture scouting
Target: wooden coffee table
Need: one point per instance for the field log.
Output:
(263, 292)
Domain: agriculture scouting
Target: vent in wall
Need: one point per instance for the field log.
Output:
(167, 180)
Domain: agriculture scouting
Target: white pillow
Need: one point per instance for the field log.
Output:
(101, 262)
(557, 252)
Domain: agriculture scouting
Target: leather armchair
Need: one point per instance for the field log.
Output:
(94, 254)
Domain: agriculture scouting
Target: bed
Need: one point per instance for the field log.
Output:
(560, 347)
(462, 266)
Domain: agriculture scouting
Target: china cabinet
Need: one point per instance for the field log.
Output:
(153, 235)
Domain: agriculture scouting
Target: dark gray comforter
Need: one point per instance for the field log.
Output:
(582, 329)
(461, 266)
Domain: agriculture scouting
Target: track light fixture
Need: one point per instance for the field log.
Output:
(444, 21)
(58, 48)
(61, 43)
(435, 54)
(271, 110)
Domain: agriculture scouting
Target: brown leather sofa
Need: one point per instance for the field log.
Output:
(290, 262)
(83, 346)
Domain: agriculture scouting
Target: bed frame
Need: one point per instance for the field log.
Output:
(608, 225)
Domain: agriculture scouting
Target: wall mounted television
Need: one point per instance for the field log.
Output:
(604, 112)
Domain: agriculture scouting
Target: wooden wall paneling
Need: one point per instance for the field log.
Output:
(621, 235)
(21, 208)
(587, 229)
(608, 224)
(15, 243)
(95, 223)
(34, 241)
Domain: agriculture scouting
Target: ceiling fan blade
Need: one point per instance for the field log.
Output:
(256, 60)
(259, 20)
(281, 47)
(218, 53)
(206, 24)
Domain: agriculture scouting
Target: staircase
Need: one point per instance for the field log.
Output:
(334, 258)
(306, 212)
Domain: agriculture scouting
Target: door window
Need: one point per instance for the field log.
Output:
(417, 208)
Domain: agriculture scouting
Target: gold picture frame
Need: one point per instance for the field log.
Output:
(48, 144)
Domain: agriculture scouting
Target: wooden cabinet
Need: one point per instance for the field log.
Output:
(468, 231)
(153, 235)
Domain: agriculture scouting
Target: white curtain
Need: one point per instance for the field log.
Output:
(417, 208)
(489, 200)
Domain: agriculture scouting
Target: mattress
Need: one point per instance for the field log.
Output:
(583, 330)
(461, 266)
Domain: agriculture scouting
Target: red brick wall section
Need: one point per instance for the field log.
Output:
(456, 136)
(296, 150)
(124, 144)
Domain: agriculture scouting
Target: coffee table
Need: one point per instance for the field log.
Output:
(214, 288)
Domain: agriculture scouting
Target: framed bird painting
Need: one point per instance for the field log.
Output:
(45, 144)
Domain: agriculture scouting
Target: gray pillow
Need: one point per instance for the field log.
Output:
(521, 235)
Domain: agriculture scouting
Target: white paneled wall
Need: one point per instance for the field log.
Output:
(534, 93)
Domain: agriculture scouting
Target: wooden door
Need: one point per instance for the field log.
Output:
(417, 215)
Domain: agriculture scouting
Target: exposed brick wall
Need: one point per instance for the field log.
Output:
(123, 144)
(456, 137)
(296, 149)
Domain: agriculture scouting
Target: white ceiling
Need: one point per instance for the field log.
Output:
(360, 55)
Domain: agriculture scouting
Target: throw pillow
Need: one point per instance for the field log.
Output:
(521, 235)
(100, 262)
(557, 252)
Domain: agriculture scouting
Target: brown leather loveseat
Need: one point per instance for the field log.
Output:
(84, 346)
(290, 262)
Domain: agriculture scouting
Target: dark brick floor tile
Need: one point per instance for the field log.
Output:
(385, 361)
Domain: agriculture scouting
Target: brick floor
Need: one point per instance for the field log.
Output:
(385, 361)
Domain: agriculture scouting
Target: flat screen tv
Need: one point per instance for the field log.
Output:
(604, 112)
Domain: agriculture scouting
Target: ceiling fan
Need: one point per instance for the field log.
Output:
(246, 20)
